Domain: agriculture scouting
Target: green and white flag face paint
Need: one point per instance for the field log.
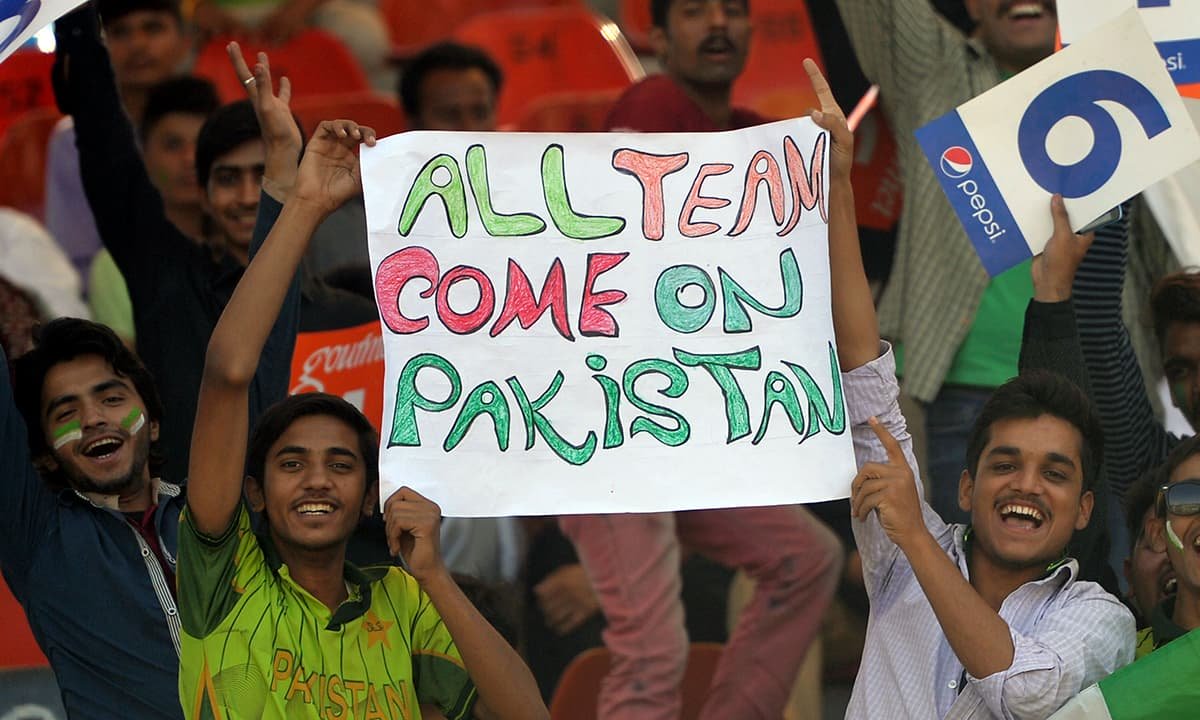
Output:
(1160, 686)
(134, 421)
(67, 433)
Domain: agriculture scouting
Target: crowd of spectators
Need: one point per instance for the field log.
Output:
(189, 537)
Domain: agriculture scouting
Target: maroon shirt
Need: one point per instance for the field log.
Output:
(658, 104)
(144, 524)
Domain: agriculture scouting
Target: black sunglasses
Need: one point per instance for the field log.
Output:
(1181, 498)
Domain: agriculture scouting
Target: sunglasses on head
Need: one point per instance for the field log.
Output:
(1181, 498)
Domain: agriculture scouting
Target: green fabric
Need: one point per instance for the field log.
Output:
(1161, 686)
(257, 645)
(989, 354)
(108, 297)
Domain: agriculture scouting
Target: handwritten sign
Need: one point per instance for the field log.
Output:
(20, 19)
(607, 322)
(1173, 24)
(346, 362)
(1098, 123)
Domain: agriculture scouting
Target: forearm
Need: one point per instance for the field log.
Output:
(977, 634)
(506, 687)
(892, 39)
(854, 322)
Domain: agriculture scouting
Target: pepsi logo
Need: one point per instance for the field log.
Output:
(957, 162)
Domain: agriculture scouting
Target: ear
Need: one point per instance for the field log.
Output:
(253, 489)
(153, 431)
(45, 463)
(966, 486)
(973, 10)
(658, 43)
(1087, 501)
(1156, 532)
(370, 499)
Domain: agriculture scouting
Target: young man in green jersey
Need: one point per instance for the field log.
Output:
(279, 625)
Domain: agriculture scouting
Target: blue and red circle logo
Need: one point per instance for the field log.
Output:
(957, 162)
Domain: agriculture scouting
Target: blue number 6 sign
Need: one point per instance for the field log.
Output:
(1079, 96)
(24, 11)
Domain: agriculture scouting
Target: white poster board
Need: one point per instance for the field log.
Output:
(21, 19)
(599, 323)
(1098, 122)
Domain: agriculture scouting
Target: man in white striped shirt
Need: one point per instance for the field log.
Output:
(987, 620)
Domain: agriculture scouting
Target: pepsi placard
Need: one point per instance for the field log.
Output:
(1174, 26)
(20, 19)
(1097, 123)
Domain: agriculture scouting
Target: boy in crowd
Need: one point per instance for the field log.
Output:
(449, 86)
(985, 620)
(278, 612)
(175, 111)
(147, 43)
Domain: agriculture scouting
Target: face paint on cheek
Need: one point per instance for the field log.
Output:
(1173, 537)
(134, 421)
(67, 433)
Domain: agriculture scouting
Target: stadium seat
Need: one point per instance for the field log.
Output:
(23, 160)
(366, 108)
(636, 23)
(414, 24)
(569, 112)
(774, 82)
(315, 62)
(578, 689)
(24, 84)
(19, 649)
(551, 50)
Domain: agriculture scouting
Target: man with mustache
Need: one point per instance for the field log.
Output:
(957, 332)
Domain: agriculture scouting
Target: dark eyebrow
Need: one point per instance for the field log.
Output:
(96, 390)
(343, 452)
(1061, 459)
(291, 450)
(1005, 450)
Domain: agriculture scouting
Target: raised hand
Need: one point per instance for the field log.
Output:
(566, 598)
(280, 134)
(414, 525)
(330, 174)
(890, 490)
(1054, 269)
(831, 119)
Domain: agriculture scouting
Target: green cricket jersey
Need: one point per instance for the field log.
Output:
(257, 645)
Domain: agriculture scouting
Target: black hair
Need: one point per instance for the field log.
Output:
(1175, 298)
(280, 416)
(185, 94)
(659, 10)
(1031, 395)
(229, 127)
(444, 56)
(113, 10)
(1139, 498)
(498, 603)
(63, 340)
(1180, 454)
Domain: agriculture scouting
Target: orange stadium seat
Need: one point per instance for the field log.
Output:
(19, 649)
(774, 82)
(315, 62)
(414, 24)
(24, 84)
(551, 50)
(366, 108)
(569, 112)
(23, 160)
(578, 689)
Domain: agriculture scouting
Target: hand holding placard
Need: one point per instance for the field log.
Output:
(1097, 123)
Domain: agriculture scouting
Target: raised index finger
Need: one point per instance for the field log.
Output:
(821, 87)
(894, 452)
(243, 71)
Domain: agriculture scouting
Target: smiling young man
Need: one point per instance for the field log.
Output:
(967, 621)
(89, 550)
(305, 633)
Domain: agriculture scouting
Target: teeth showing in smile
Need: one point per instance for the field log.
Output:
(101, 447)
(1025, 10)
(1022, 511)
(315, 509)
(1169, 586)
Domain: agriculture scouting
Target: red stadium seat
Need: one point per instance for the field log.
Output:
(366, 108)
(636, 23)
(551, 50)
(774, 82)
(414, 24)
(24, 84)
(23, 160)
(315, 62)
(569, 112)
(19, 649)
(578, 689)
